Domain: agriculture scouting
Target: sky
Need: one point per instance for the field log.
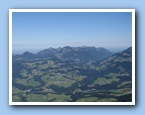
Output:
(41, 30)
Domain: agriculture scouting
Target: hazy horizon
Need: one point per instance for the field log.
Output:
(36, 50)
(41, 30)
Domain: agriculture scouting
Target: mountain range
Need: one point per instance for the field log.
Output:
(69, 74)
(81, 53)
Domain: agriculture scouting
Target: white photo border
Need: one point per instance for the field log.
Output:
(71, 10)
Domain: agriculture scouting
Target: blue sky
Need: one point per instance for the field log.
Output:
(33, 30)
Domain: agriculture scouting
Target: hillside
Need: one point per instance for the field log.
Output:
(73, 74)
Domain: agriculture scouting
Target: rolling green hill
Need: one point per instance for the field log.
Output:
(68, 74)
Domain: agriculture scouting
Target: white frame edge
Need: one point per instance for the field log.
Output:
(71, 10)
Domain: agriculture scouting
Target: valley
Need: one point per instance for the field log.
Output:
(72, 74)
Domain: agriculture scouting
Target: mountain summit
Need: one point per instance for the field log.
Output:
(83, 54)
(28, 55)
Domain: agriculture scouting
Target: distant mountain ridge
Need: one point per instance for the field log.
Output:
(83, 53)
